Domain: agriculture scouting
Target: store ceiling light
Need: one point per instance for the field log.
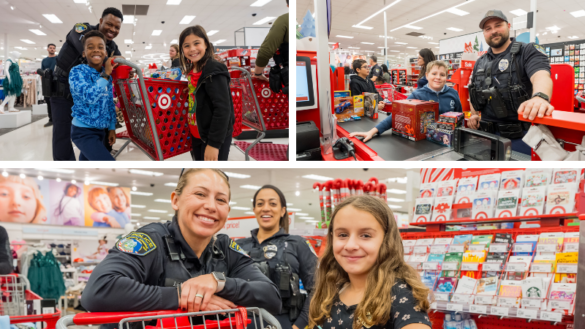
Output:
(156, 32)
(553, 28)
(163, 200)
(138, 215)
(39, 177)
(38, 32)
(395, 191)
(80, 1)
(454, 29)
(219, 41)
(317, 177)
(241, 208)
(413, 27)
(264, 20)
(518, 12)
(434, 43)
(174, 41)
(61, 171)
(145, 172)
(382, 47)
(103, 183)
(368, 43)
(294, 209)
(301, 213)
(388, 37)
(232, 203)
(53, 18)
(344, 36)
(390, 205)
(307, 217)
(159, 211)
(212, 32)
(435, 14)
(579, 13)
(573, 37)
(251, 187)
(128, 19)
(458, 12)
(411, 47)
(128, 41)
(140, 193)
(363, 27)
(260, 3)
(173, 2)
(151, 218)
(399, 180)
(27, 41)
(395, 51)
(353, 47)
(128, 52)
(378, 12)
(401, 43)
(4, 174)
(171, 184)
(187, 19)
(395, 200)
(311, 221)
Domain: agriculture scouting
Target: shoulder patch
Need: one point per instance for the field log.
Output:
(235, 247)
(80, 27)
(311, 247)
(136, 243)
(540, 48)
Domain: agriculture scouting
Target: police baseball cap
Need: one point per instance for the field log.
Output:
(493, 14)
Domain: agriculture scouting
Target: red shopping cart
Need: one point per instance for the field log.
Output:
(13, 302)
(225, 319)
(389, 93)
(262, 110)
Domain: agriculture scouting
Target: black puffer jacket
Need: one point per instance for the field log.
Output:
(359, 85)
(215, 110)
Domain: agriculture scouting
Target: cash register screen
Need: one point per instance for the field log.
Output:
(305, 91)
(477, 147)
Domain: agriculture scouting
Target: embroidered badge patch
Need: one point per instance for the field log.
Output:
(540, 48)
(235, 247)
(311, 247)
(80, 27)
(136, 243)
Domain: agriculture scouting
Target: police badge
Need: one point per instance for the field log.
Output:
(503, 65)
(270, 251)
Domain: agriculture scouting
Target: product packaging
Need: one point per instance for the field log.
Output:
(566, 258)
(427, 190)
(527, 239)
(510, 288)
(564, 176)
(537, 177)
(423, 209)
(466, 285)
(446, 188)
(464, 240)
(533, 200)
(442, 209)
(487, 286)
(507, 204)
(512, 180)
(449, 258)
(370, 104)
(484, 204)
(556, 238)
(358, 105)
(466, 189)
(560, 198)
(489, 182)
(343, 104)
(439, 136)
(411, 117)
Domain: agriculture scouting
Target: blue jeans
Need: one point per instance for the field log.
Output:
(90, 144)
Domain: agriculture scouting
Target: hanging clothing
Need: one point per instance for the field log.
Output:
(45, 276)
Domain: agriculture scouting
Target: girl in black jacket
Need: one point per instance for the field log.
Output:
(211, 111)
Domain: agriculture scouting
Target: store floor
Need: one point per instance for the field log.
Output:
(33, 142)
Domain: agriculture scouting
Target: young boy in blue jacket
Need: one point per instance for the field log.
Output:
(436, 90)
(93, 110)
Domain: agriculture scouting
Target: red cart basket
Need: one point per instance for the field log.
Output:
(232, 319)
(262, 110)
(389, 93)
(13, 302)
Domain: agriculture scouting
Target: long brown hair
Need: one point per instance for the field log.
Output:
(428, 56)
(199, 31)
(176, 46)
(374, 309)
(283, 223)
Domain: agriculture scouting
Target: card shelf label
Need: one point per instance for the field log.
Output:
(481, 309)
(500, 311)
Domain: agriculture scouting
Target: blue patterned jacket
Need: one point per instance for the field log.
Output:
(93, 98)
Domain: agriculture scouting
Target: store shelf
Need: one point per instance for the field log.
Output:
(514, 219)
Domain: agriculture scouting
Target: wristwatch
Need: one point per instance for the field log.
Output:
(220, 278)
(541, 95)
(104, 75)
(257, 74)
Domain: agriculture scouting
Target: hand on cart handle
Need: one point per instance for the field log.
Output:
(111, 64)
(534, 107)
(196, 293)
(260, 77)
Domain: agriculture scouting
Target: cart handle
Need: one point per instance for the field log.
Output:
(248, 77)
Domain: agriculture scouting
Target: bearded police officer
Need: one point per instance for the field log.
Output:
(282, 257)
(376, 73)
(70, 56)
(511, 78)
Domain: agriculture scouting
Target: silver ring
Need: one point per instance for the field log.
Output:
(199, 295)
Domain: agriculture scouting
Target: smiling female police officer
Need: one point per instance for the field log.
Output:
(282, 257)
(183, 263)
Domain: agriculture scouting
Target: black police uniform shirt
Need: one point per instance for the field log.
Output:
(72, 49)
(402, 313)
(299, 255)
(133, 275)
(530, 60)
(376, 71)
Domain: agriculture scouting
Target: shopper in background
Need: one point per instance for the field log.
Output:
(526, 91)
(385, 74)
(69, 57)
(362, 279)
(94, 109)
(425, 56)
(174, 54)
(275, 46)
(48, 63)
(21, 201)
(359, 83)
(375, 70)
(271, 248)
(161, 266)
(211, 111)
(435, 90)
(5, 253)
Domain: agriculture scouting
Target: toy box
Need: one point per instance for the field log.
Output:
(411, 118)
(358, 106)
(446, 126)
(370, 104)
(343, 105)
(452, 117)
(439, 136)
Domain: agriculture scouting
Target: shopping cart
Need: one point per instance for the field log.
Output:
(268, 111)
(13, 289)
(232, 319)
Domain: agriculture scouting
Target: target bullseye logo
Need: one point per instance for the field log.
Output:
(481, 215)
(531, 212)
(505, 213)
(558, 210)
(164, 101)
(266, 92)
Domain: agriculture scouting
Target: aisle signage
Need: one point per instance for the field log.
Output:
(526, 313)
(551, 316)
(500, 311)
(481, 309)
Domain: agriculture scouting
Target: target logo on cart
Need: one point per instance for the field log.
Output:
(266, 92)
(164, 101)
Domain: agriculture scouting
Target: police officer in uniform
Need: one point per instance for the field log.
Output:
(376, 73)
(282, 257)
(511, 78)
(70, 56)
(182, 263)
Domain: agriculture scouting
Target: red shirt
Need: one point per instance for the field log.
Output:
(193, 80)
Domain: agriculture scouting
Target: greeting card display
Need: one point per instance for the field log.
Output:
(560, 198)
(466, 188)
(489, 182)
(483, 204)
(442, 209)
(537, 177)
(427, 190)
(423, 209)
(533, 201)
(507, 204)
(564, 176)
(512, 180)
(446, 188)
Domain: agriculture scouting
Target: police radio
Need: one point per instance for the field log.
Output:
(493, 96)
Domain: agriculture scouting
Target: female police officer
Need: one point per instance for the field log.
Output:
(182, 264)
(282, 257)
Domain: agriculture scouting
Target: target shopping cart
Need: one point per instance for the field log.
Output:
(225, 319)
(389, 93)
(14, 294)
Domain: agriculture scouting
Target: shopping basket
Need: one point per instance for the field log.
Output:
(261, 108)
(13, 302)
(232, 319)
